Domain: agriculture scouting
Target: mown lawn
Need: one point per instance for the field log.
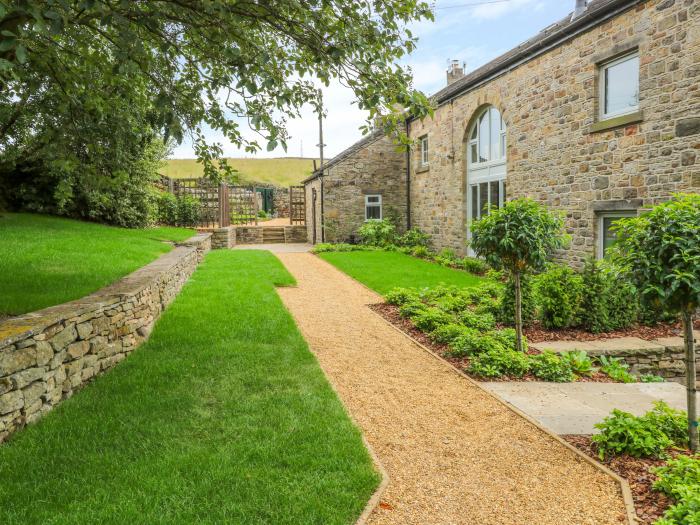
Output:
(50, 260)
(383, 271)
(223, 416)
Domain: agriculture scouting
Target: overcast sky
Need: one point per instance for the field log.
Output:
(472, 33)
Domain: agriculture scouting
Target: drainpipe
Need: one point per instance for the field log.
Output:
(408, 179)
(320, 147)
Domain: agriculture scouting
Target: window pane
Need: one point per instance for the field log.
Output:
(622, 86)
(372, 198)
(472, 152)
(495, 186)
(484, 197)
(374, 212)
(484, 138)
(475, 202)
(503, 145)
(495, 133)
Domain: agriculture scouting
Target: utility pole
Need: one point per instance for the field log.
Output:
(320, 149)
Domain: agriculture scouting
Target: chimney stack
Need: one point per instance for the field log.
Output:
(455, 71)
(579, 8)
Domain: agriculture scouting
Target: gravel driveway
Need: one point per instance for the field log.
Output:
(453, 453)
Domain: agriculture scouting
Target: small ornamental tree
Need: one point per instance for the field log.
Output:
(518, 238)
(660, 252)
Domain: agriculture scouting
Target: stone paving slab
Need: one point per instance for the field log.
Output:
(574, 408)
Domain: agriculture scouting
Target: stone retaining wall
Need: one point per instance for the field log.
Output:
(249, 234)
(46, 355)
(223, 238)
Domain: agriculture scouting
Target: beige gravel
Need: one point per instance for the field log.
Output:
(453, 453)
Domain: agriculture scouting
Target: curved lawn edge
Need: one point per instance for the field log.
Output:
(624, 485)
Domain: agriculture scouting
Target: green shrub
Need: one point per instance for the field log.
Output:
(400, 296)
(414, 238)
(431, 319)
(678, 475)
(496, 363)
(188, 210)
(548, 366)
(616, 369)
(473, 265)
(506, 337)
(558, 291)
(338, 247)
(379, 233)
(483, 322)
(412, 308)
(166, 204)
(446, 257)
(651, 378)
(645, 436)
(507, 302)
(685, 512)
(472, 342)
(420, 251)
(448, 333)
(580, 363)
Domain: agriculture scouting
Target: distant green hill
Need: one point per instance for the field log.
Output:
(286, 171)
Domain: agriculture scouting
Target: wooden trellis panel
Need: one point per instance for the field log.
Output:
(297, 205)
(204, 190)
(243, 205)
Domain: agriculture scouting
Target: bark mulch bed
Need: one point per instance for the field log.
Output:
(391, 314)
(649, 504)
(537, 334)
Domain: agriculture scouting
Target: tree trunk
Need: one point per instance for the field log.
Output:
(518, 313)
(691, 379)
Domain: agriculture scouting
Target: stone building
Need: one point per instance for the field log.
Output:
(597, 116)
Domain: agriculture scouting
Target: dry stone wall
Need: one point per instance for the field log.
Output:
(554, 155)
(46, 355)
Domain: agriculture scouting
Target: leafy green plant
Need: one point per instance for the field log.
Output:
(497, 363)
(481, 322)
(400, 296)
(338, 247)
(507, 337)
(412, 308)
(380, 233)
(644, 436)
(609, 301)
(446, 257)
(528, 306)
(579, 361)
(414, 238)
(473, 265)
(558, 291)
(519, 238)
(421, 252)
(549, 366)
(685, 512)
(616, 369)
(651, 378)
(678, 475)
(431, 319)
(188, 210)
(660, 253)
(448, 333)
(473, 342)
(166, 205)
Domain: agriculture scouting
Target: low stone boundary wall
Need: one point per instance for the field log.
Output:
(223, 238)
(664, 357)
(46, 355)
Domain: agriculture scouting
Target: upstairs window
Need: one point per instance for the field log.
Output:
(373, 207)
(424, 150)
(619, 86)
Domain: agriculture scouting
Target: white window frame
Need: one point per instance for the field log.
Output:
(377, 204)
(424, 151)
(601, 227)
(602, 69)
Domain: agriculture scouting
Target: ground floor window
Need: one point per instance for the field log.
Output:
(373, 207)
(606, 233)
(484, 196)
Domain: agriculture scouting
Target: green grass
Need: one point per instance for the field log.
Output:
(283, 172)
(50, 260)
(223, 416)
(383, 271)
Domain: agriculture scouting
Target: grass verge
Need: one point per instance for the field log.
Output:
(382, 271)
(50, 260)
(223, 416)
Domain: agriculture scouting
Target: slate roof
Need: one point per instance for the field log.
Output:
(597, 12)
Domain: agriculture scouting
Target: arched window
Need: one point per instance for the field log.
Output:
(486, 164)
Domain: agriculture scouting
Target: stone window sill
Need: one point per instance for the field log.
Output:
(616, 122)
(423, 168)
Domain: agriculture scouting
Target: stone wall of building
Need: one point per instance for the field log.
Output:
(375, 166)
(549, 105)
(46, 355)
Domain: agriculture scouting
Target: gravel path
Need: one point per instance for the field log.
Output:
(453, 453)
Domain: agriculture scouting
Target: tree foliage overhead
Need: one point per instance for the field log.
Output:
(205, 62)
